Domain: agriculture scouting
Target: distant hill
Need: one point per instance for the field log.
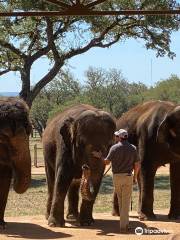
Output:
(9, 94)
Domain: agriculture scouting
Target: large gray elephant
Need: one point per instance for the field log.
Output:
(15, 160)
(154, 127)
(68, 142)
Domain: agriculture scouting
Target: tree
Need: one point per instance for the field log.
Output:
(64, 88)
(165, 90)
(24, 41)
(109, 90)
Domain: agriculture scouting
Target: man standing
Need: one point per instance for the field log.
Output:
(124, 159)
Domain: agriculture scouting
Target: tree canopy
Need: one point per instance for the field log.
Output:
(24, 40)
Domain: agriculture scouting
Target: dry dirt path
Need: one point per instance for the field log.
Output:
(105, 227)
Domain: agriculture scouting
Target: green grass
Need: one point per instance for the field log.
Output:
(33, 202)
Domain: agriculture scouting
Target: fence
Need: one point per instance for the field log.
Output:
(36, 151)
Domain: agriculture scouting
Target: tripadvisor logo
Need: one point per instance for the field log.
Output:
(141, 231)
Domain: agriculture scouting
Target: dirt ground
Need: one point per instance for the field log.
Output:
(105, 227)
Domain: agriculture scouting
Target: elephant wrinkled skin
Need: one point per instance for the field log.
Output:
(154, 127)
(68, 143)
(15, 160)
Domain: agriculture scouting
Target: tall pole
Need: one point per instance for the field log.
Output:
(151, 73)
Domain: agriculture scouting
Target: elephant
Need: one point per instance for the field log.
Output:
(68, 142)
(15, 160)
(154, 128)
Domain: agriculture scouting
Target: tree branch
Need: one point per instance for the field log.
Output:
(35, 37)
(33, 41)
(12, 48)
(4, 72)
(46, 79)
(59, 3)
(39, 53)
(97, 42)
(92, 43)
(50, 45)
(61, 29)
(97, 2)
(50, 38)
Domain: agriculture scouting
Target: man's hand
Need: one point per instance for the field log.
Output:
(134, 180)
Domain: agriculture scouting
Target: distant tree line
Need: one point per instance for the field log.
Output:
(105, 89)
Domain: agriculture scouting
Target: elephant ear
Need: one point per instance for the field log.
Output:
(163, 131)
(66, 132)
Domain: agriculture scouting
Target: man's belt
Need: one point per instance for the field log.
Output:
(128, 174)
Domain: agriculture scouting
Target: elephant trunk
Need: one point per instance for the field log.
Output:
(86, 186)
(22, 167)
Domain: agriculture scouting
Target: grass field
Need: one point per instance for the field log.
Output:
(33, 202)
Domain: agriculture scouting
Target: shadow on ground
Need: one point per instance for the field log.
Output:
(109, 228)
(31, 231)
(161, 218)
(38, 182)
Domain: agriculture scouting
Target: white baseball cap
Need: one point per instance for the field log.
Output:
(116, 133)
(121, 133)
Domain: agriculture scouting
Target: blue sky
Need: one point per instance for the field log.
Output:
(134, 60)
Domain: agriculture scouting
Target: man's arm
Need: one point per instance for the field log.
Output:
(136, 171)
(136, 167)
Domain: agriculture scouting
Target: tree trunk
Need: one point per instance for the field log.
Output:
(26, 86)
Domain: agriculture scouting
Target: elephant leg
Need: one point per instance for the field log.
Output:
(85, 216)
(5, 181)
(73, 200)
(62, 183)
(139, 188)
(115, 211)
(147, 175)
(174, 212)
(50, 177)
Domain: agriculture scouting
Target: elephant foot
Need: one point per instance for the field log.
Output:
(72, 216)
(174, 216)
(86, 222)
(3, 225)
(53, 222)
(147, 216)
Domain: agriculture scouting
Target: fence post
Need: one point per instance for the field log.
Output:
(35, 155)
